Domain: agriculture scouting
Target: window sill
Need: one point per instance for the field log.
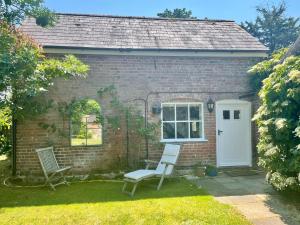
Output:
(183, 140)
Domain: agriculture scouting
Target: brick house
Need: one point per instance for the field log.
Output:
(177, 67)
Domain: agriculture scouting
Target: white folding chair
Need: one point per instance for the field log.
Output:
(51, 168)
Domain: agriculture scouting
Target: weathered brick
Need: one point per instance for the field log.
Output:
(135, 77)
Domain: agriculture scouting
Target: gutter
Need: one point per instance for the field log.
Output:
(155, 52)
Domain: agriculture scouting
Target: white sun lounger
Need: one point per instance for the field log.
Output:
(164, 168)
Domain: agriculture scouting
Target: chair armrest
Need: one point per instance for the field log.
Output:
(63, 169)
(168, 163)
(148, 161)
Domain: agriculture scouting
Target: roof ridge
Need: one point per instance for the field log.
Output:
(143, 17)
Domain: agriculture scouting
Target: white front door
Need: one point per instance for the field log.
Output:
(233, 132)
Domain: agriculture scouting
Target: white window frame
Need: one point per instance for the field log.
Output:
(188, 121)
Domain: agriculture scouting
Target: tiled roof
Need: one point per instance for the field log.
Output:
(119, 32)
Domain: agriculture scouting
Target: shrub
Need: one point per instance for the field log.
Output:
(5, 124)
(278, 120)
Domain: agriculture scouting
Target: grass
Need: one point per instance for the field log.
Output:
(101, 202)
(90, 141)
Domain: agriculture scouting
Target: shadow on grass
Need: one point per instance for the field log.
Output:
(96, 191)
(287, 205)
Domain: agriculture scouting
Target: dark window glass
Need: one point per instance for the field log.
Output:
(168, 113)
(169, 130)
(182, 112)
(195, 130)
(236, 114)
(182, 130)
(226, 114)
(184, 123)
(195, 112)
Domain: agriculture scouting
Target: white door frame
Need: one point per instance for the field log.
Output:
(237, 102)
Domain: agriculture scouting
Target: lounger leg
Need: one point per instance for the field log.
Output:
(133, 189)
(162, 178)
(124, 186)
(160, 182)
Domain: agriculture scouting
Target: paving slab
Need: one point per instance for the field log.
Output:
(253, 197)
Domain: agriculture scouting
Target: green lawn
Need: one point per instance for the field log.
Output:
(101, 202)
(90, 141)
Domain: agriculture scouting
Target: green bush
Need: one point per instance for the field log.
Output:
(278, 120)
(5, 137)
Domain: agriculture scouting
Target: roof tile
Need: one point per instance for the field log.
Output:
(115, 32)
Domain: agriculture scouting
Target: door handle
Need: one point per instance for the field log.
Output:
(219, 132)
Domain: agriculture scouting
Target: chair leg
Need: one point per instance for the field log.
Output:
(52, 186)
(64, 179)
(48, 183)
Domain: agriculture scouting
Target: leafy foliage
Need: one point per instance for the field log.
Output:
(273, 28)
(177, 13)
(15, 11)
(263, 69)
(121, 112)
(5, 124)
(26, 74)
(126, 117)
(278, 120)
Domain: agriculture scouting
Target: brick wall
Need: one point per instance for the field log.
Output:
(134, 77)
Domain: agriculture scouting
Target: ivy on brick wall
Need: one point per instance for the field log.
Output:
(125, 117)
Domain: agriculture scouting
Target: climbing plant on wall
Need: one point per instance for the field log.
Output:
(129, 120)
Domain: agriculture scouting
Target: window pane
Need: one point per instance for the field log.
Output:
(168, 113)
(94, 137)
(236, 114)
(182, 130)
(195, 112)
(196, 129)
(181, 112)
(226, 114)
(168, 130)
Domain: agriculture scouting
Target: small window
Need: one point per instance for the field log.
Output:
(236, 114)
(226, 114)
(182, 121)
(86, 129)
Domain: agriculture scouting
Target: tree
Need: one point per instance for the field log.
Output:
(15, 11)
(273, 28)
(177, 13)
(25, 73)
(278, 120)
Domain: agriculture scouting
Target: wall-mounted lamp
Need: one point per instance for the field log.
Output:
(156, 108)
(210, 105)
